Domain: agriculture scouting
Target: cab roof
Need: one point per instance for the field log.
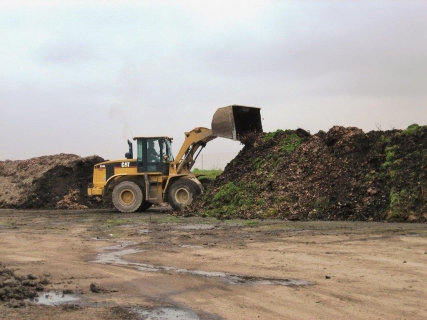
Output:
(153, 137)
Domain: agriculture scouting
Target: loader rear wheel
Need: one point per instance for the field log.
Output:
(182, 192)
(127, 196)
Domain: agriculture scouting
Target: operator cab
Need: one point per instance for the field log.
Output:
(154, 154)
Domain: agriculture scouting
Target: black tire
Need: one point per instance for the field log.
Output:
(145, 205)
(182, 192)
(127, 196)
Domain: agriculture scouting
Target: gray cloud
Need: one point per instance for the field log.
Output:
(368, 50)
(71, 52)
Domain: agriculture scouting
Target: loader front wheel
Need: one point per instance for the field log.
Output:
(127, 196)
(182, 193)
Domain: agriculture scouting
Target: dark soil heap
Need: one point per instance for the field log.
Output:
(344, 174)
(48, 182)
(15, 289)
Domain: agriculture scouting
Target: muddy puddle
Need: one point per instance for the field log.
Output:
(53, 297)
(166, 313)
(197, 227)
(115, 255)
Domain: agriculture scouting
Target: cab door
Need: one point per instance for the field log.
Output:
(149, 155)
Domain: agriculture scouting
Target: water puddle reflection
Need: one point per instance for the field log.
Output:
(51, 298)
(118, 252)
(167, 313)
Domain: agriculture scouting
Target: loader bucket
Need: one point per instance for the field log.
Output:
(234, 122)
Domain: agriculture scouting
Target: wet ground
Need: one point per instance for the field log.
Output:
(116, 255)
(108, 265)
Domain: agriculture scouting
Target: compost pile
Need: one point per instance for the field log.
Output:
(14, 289)
(48, 182)
(342, 174)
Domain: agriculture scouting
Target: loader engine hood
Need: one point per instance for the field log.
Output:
(234, 122)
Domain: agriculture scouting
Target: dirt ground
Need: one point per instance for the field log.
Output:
(154, 265)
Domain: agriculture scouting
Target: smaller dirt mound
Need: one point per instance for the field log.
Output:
(48, 182)
(15, 289)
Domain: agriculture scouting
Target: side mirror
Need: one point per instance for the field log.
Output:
(129, 155)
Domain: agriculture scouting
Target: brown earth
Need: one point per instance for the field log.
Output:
(158, 266)
(344, 174)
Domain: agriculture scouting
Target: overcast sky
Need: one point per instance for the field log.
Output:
(83, 76)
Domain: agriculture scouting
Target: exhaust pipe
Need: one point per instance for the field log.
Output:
(234, 122)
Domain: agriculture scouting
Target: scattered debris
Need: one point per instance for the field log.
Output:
(97, 289)
(71, 201)
(15, 289)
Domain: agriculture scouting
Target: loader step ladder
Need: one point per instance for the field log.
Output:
(151, 189)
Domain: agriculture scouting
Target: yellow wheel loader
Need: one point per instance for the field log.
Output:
(155, 176)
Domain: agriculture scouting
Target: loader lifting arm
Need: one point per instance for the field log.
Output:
(195, 140)
(231, 122)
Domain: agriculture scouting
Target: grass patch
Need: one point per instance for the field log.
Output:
(208, 174)
(412, 129)
(271, 135)
(290, 143)
(233, 199)
(116, 222)
(390, 153)
(251, 223)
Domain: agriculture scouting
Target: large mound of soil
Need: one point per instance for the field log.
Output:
(48, 182)
(344, 174)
